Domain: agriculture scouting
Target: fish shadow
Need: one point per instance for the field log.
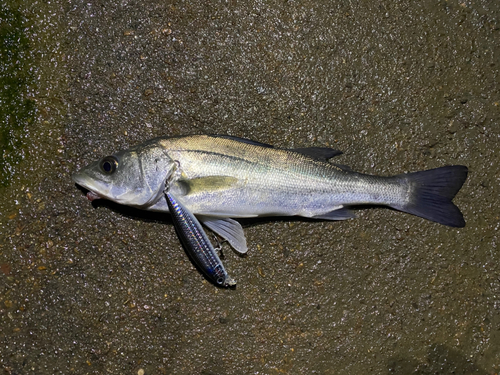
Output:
(134, 213)
(129, 212)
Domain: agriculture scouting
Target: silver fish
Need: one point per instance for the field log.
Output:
(219, 178)
(197, 244)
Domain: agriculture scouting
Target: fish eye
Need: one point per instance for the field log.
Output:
(109, 164)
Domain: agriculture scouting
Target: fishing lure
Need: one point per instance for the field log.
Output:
(196, 243)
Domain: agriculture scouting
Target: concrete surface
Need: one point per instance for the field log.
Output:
(397, 85)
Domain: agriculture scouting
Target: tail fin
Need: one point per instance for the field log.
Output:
(432, 192)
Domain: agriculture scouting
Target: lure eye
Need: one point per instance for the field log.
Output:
(109, 164)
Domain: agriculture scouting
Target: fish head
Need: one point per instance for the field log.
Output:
(135, 177)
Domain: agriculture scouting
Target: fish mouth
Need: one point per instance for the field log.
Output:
(80, 179)
(91, 196)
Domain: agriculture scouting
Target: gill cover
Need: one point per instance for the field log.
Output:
(156, 167)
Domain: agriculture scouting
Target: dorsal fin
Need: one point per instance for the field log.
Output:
(318, 153)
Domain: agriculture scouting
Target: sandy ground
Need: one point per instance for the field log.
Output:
(398, 86)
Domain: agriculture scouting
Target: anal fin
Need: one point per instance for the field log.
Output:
(340, 214)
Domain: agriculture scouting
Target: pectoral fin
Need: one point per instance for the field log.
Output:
(228, 229)
(207, 184)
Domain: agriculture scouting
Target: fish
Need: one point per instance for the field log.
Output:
(196, 243)
(221, 178)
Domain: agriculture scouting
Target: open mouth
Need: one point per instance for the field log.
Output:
(91, 196)
(85, 184)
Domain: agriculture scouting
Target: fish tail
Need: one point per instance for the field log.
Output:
(431, 194)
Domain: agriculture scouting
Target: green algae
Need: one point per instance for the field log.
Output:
(16, 110)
